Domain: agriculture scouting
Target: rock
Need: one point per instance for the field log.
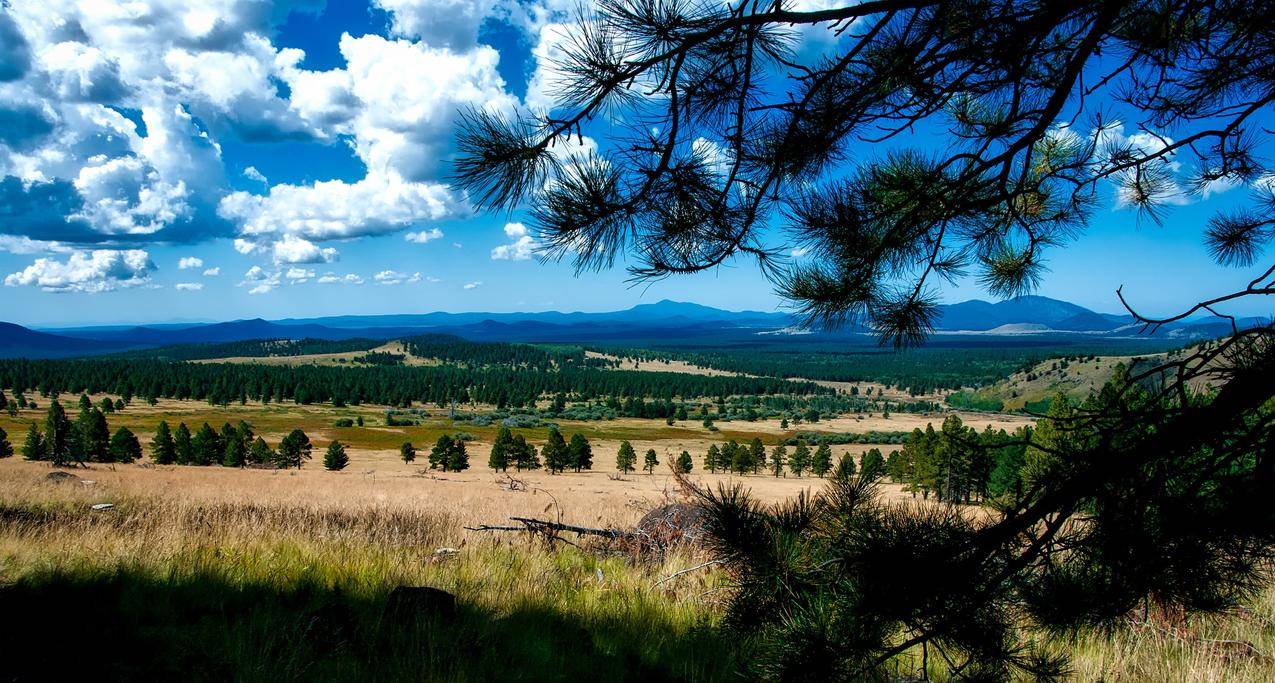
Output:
(59, 476)
(103, 506)
(673, 524)
(413, 602)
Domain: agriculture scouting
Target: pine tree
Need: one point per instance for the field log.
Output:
(335, 459)
(4, 401)
(34, 448)
(581, 452)
(85, 403)
(872, 461)
(236, 454)
(783, 423)
(526, 457)
(651, 462)
(778, 458)
(124, 446)
(6, 448)
(713, 458)
(407, 452)
(501, 450)
(163, 448)
(821, 462)
(457, 457)
(684, 463)
(107, 406)
(800, 459)
(183, 446)
(61, 440)
(95, 435)
(625, 458)
(757, 455)
(845, 467)
(439, 453)
(260, 453)
(294, 449)
(206, 446)
(556, 454)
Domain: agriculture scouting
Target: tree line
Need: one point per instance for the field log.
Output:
(222, 383)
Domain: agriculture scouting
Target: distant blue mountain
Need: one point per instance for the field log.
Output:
(658, 322)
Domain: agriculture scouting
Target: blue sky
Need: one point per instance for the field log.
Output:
(219, 160)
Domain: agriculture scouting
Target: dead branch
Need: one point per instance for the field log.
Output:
(552, 529)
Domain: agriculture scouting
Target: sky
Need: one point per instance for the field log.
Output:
(165, 160)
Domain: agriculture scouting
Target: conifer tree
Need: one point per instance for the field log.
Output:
(260, 453)
(684, 463)
(821, 461)
(845, 467)
(625, 458)
(206, 446)
(526, 457)
(294, 449)
(800, 459)
(757, 455)
(439, 453)
(713, 458)
(95, 435)
(236, 454)
(183, 446)
(457, 456)
(501, 450)
(34, 447)
(335, 458)
(6, 448)
(124, 446)
(651, 462)
(778, 459)
(61, 442)
(163, 448)
(556, 454)
(872, 461)
(407, 452)
(581, 452)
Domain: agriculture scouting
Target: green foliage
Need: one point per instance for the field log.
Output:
(183, 446)
(800, 459)
(625, 458)
(124, 446)
(684, 463)
(6, 448)
(206, 446)
(556, 453)
(94, 435)
(294, 449)
(449, 454)
(501, 450)
(651, 461)
(335, 458)
(407, 452)
(35, 448)
(163, 448)
(821, 462)
(581, 452)
(260, 453)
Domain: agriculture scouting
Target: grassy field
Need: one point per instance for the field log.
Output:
(214, 573)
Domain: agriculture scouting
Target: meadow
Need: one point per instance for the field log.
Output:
(211, 572)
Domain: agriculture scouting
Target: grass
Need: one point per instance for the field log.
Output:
(222, 573)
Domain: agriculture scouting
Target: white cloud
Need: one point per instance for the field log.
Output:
(391, 277)
(423, 236)
(474, 285)
(212, 272)
(439, 22)
(798, 252)
(298, 275)
(188, 262)
(19, 244)
(100, 270)
(251, 173)
(293, 249)
(295, 214)
(188, 286)
(521, 248)
(333, 278)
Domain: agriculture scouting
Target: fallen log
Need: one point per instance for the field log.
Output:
(551, 529)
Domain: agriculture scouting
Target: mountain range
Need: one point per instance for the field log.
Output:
(667, 321)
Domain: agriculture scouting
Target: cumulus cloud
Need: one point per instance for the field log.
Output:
(188, 286)
(293, 249)
(188, 262)
(423, 236)
(521, 248)
(101, 270)
(393, 277)
(251, 173)
(212, 272)
(333, 279)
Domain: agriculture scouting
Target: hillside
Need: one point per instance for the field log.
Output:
(1032, 389)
